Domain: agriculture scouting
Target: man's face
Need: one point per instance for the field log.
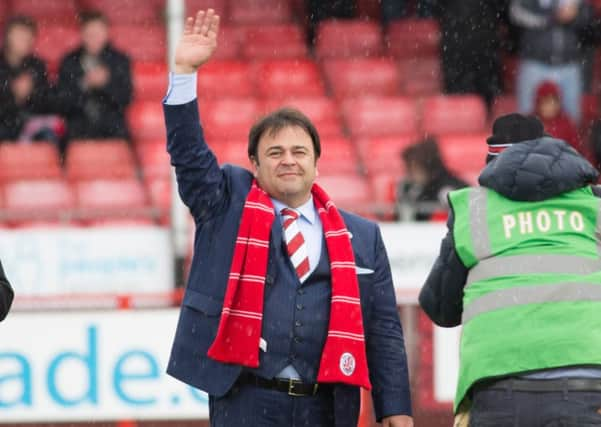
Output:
(20, 40)
(285, 165)
(94, 36)
(549, 107)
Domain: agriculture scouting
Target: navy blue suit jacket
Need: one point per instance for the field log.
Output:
(215, 197)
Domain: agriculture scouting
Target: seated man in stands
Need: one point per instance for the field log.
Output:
(23, 83)
(94, 84)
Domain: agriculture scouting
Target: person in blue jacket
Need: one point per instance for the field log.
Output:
(289, 308)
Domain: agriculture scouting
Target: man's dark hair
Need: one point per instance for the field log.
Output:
(20, 20)
(88, 16)
(278, 120)
(425, 153)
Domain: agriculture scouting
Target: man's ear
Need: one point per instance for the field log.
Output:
(255, 165)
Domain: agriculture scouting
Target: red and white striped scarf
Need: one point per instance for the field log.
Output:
(343, 357)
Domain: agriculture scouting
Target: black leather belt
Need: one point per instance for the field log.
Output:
(560, 384)
(290, 386)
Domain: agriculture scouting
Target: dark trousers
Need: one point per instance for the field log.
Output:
(252, 406)
(511, 408)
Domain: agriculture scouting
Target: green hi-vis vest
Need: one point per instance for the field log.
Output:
(533, 294)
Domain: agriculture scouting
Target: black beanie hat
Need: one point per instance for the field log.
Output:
(513, 128)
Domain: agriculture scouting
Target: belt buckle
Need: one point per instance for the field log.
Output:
(291, 384)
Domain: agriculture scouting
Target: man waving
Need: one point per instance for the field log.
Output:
(290, 306)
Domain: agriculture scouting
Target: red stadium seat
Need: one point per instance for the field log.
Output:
(413, 38)
(99, 159)
(230, 44)
(150, 81)
(322, 111)
(53, 42)
(145, 120)
(159, 190)
(259, 11)
(465, 154)
(116, 198)
(383, 155)
(348, 38)
(53, 12)
(380, 116)
(29, 161)
(138, 12)
(154, 159)
(234, 152)
(421, 76)
(289, 78)
(226, 78)
(277, 41)
(349, 191)
(37, 200)
(453, 114)
(338, 156)
(141, 43)
(361, 77)
(504, 104)
(228, 119)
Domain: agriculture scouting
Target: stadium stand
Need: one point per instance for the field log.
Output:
(380, 116)
(281, 78)
(150, 81)
(453, 114)
(99, 159)
(322, 111)
(274, 41)
(413, 38)
(362, 77)
(55, 12)
(29, 162)
(348, 38)
(226, 78)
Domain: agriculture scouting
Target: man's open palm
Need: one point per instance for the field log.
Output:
(198, 42)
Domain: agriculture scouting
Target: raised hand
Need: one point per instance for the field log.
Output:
(197, 43)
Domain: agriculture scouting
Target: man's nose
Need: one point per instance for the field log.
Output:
(288, 158)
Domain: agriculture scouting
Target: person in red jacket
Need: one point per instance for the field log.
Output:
(556, 122)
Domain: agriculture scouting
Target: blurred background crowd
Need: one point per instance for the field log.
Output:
(402, 91)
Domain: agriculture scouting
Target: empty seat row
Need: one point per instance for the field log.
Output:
(58, 200)
(149, 11)
(232, 118)
(280, 78)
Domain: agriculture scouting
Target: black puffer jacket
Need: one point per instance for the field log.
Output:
(529, 171)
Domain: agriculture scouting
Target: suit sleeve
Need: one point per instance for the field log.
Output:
(441, 296)
(386, 355)
(200, 180)
(6, 294)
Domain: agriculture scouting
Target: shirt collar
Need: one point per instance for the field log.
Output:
(306, 210)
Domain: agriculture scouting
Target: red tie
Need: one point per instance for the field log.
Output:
(295, 243)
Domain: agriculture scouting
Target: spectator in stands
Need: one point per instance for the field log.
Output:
(399, 9)
(550, 49)
(272, 255)
(423, 191)
(469, 46)
(24, 89)
(549, 110)
(94, 83)
(6, 294)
